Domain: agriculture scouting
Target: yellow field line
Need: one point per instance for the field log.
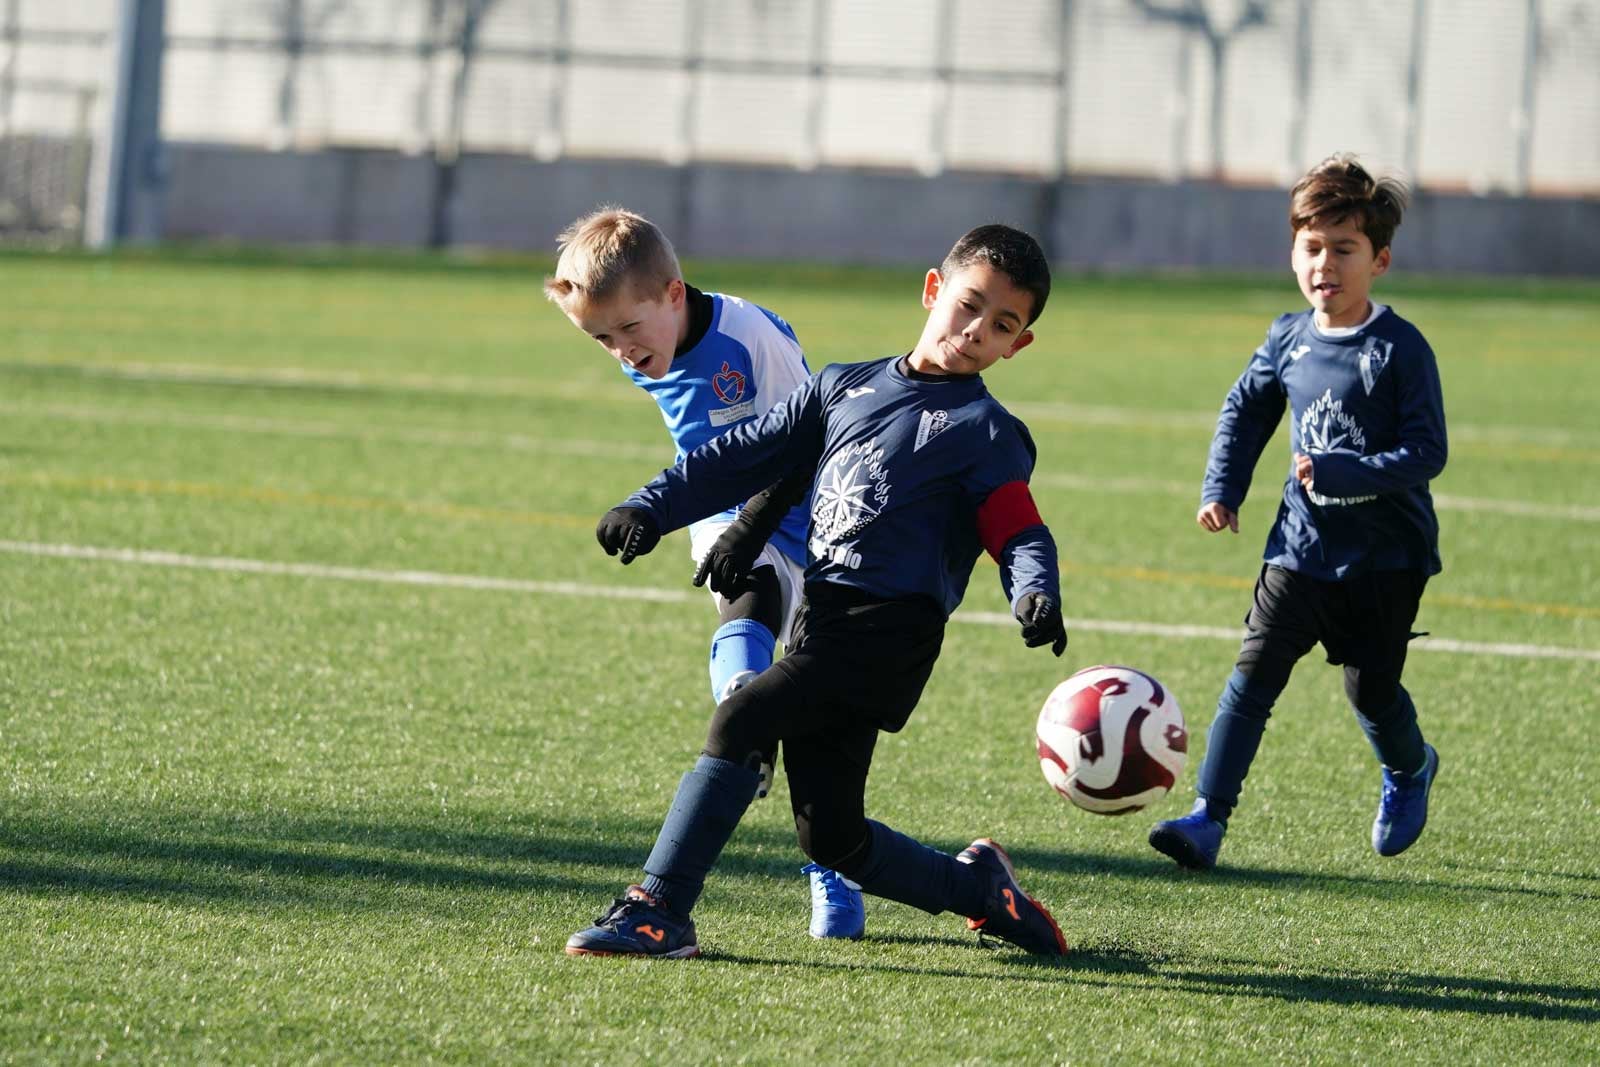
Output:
(146, 487)
(203, 490)
(1218, 581)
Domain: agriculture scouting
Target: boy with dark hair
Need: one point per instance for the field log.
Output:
(710, 362)
(1355, 540)
(914, 469)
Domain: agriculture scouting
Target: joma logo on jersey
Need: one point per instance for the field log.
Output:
(728, 384)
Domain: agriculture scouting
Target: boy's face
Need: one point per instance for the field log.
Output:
(1335, 266)
(976, 317)
(639, 332)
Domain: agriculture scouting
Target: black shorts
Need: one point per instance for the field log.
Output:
(856, 665)
(864, 655)
(1363, 622)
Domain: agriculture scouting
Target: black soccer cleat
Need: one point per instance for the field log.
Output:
(637, 925)
(1010, 913)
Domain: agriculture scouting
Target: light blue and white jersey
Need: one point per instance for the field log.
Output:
(747, 362)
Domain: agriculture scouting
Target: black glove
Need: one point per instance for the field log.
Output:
(731, 558)
(1041, 621)
(630, 531)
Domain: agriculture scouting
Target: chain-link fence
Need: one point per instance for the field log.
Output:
(54, 66)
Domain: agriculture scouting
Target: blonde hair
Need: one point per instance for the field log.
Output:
(1340, 188)
(608, 248)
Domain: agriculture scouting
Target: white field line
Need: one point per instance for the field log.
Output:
(466, 385)
(330, 431)
(1442, 501)
(670, 596)
(592, 449)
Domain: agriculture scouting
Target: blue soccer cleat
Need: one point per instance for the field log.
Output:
(837, 909)
(637, 924)
(1193, 840)
(1403, 806)
(1008, 911)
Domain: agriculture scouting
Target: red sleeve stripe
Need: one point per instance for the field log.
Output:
(1007, 512)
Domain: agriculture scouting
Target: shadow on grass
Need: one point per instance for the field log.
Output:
(1403, 885)
(1109, 969)
(1429, 992)
(339, 863)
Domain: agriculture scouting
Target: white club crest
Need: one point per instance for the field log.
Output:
(931, 425)
(851, 490)
(1373, 361)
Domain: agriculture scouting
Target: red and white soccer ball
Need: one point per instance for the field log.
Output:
(1112, 740)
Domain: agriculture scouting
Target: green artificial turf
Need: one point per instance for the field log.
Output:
(268, 793)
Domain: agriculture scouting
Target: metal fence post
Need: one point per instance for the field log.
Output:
(1522, 117)
(1058, 152)
(126, 184)
(682, 148)
(1301, 80)
(1413, 130)
(933, 162)
(549, 142)
(810, 150)
(11, 43)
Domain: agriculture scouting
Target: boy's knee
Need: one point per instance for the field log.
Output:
(830, 841)
(1374, 694)
(761, 600)
(735, 734)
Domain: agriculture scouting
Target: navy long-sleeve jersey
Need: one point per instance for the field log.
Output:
(914, 479)
(1368, 409)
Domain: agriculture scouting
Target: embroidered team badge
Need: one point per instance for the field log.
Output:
(1373, 361)
(728, 384)
(931, 425)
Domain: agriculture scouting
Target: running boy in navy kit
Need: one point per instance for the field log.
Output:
(917, 469)
(710, 362)
(1355, 540)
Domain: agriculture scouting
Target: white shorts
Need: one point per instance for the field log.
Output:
(791, 576)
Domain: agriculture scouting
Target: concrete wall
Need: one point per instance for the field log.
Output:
(512, 202)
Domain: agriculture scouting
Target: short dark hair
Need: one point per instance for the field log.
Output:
(1340, 189)
(1009, 251)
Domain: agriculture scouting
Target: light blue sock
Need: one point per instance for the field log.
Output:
(743, 646)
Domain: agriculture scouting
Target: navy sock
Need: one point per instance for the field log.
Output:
(1396, 738)
(1232, 742)
(898, 868)
(711, 800)
(737, 647)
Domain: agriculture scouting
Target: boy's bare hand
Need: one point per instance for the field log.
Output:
(1214, 517)
(630, 531)
(1302, 469)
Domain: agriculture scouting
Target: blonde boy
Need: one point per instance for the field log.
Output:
(711, 362)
